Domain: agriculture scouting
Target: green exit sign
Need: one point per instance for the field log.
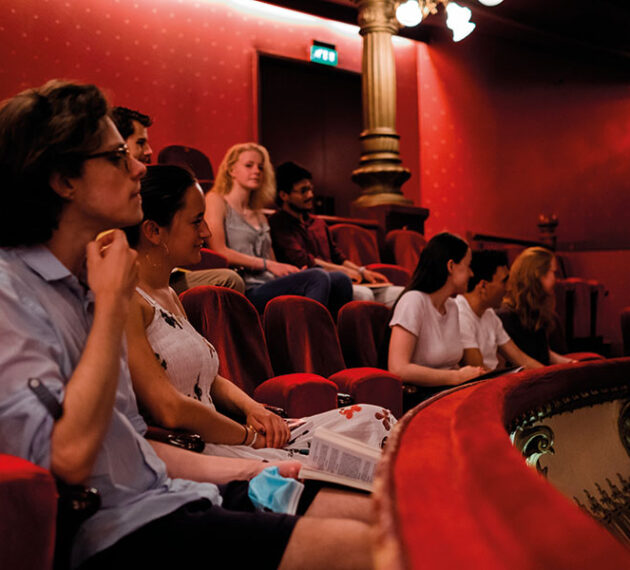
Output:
(324, 53)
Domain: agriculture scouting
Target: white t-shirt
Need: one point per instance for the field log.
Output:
(439, 344)
(485, 333)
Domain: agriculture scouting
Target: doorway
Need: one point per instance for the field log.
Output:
(311, 114)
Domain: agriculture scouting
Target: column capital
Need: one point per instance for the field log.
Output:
(377, 16)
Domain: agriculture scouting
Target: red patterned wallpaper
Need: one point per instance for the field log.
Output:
(190, 64)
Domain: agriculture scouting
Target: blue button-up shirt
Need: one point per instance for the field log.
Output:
(45, 319)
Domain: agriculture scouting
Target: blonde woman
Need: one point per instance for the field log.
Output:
(528, 307)
(239, 230)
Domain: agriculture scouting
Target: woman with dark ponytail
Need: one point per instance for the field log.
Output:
(425, 347)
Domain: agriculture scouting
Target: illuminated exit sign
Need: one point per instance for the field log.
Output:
(323, 53)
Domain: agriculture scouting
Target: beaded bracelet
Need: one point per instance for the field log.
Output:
(246, 435)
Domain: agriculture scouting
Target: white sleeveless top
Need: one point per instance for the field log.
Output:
(190, 361)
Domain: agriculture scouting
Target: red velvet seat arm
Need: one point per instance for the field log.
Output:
(28, 508)
(371, 386)
(299, 394)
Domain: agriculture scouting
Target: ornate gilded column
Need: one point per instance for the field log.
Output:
(380, 173)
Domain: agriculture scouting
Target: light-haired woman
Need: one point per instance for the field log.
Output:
(528, 307)
(244, 185)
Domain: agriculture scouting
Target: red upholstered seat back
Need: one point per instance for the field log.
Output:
(301, 337)
(364, 333)
(190, 158)
(358, 244)
(404, 248)
(28, 507)
(231, 323)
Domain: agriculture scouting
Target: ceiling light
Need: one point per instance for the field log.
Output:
(409, 13)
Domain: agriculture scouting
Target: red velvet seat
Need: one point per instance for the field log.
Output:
(190, 158)
(209, 260)
(301, 337)
(360, 246)
(453, 492)
(231, 323)
(404, 248)
(625, 330)
(28, 508)
(363, 329)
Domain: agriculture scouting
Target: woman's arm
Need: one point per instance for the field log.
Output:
(215, 218)
(185, 464)
(401, 347)
(168, 407)
(230, 397)
(555, 358)
(91, 391)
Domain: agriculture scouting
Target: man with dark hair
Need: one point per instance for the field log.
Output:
(133, 126)
(301, 239)
(481, 330)
(66, 398)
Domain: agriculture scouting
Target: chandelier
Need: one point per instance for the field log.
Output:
(411, 12)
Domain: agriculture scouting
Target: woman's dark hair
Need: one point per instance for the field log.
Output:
(163, 193)
(42, 131)
(431, 272)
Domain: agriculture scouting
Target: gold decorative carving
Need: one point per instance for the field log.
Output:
(533, 443)
(611, 508)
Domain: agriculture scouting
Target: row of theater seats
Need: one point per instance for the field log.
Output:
(577, 299)
(293, 359)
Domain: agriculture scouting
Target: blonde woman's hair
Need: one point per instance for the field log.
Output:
(525, 293)
(223, 182)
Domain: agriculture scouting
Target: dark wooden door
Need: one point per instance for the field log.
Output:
(311, 114)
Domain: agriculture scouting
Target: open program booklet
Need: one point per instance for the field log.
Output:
(342, 460)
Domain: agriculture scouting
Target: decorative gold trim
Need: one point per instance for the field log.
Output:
(533, 443)
(611, 509)
(568, 404)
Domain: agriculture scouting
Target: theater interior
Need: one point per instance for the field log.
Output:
(517, 135)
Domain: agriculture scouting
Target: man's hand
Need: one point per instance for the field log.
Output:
(374, 277)
(354, 275)
(112, 267)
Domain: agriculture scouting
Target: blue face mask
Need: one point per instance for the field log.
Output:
(271, 491)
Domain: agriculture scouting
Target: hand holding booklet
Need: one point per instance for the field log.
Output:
(342, 460)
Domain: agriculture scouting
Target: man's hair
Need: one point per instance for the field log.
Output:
(484, 265)
(290, 173)
(123, 119)
(46, 130)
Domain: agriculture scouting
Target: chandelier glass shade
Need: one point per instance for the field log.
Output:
(410, 13)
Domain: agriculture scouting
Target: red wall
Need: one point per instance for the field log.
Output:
(508, 132)
(190, 64)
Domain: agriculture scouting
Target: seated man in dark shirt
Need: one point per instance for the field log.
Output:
(302, 239)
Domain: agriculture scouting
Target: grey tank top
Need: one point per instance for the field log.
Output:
(245, 238)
